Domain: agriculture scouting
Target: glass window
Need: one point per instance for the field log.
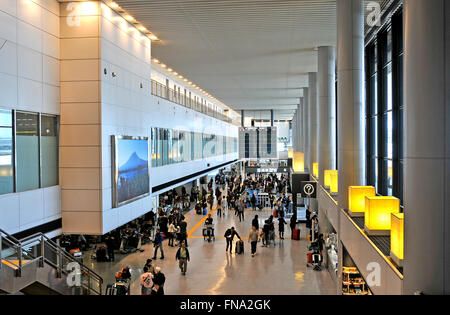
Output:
(49, 149)
(6, 153)
(27, 150)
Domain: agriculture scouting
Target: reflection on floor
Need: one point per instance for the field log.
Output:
(274, 270)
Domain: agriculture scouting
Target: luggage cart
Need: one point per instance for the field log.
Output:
(208, 233)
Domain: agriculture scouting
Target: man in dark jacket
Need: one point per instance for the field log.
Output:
(183, 257)
(255, 222)
(159, 279)
(158, 244)
(229, 236)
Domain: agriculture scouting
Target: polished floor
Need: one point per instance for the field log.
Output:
(279, 270)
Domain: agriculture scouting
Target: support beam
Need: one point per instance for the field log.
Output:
(350, 58)
(427, 146)
(327, 111)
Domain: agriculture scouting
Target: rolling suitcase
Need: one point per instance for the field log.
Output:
(296, 235)
(309, 256)
(239, 247)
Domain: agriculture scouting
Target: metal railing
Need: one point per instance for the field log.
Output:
(179, 98)
(41, 249)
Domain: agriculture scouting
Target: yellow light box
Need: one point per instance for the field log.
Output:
(378, 212)
(357, 198)
(316, 170)
(290, 153)
(327, 177)
(397, 241)
(298, 162)
(334, 183)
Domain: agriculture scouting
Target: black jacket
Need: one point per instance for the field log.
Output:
(255, 223)
(177, 256)
(231, 233)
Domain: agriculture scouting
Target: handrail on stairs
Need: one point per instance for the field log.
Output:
(41, 239)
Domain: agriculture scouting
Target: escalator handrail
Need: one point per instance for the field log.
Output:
(38, 237)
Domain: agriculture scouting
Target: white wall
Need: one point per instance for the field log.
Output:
(97, 105)
(29, 81)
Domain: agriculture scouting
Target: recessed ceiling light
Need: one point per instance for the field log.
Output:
(153, 37)
(113, 5)
(129, 18)
(142, 28)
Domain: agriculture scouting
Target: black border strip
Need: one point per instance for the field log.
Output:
(43, 228)
(185, 178)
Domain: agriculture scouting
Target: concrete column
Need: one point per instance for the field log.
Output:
(294, 132)
(306, 130)
(327, 110)
(350, 58)
(299, 112)
(427, 146)
(271, 117)
(313, 121)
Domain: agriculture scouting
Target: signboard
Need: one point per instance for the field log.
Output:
(308, 189)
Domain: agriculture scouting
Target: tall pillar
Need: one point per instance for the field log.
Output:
(327, 110)
(271, 117)
(427, 146)
(306, 127)
(242, 118)
(294, 132)
(299, 113)
(350, 58)
(313, 121)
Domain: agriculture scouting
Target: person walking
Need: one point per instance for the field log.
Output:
(171, 233)
(219, 206)
(158, 244)
(150, 267)
(255, 222)
(146, 281)
(183, 257)
(183, 231)
(159, 279)
(281, 224)
(253, 201)
(253, 239)
(293, 223)
(241, 209)
(229, 236)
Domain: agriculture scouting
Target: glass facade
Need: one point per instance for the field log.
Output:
(384, 109)
(28, 151)
(171, 146)
(6, 152)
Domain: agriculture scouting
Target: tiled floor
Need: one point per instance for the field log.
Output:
(273, 271)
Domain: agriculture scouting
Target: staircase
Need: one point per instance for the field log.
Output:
(37, 265)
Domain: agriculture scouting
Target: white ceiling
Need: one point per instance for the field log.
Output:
(250, 54)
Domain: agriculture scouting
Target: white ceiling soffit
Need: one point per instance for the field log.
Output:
(247, 53)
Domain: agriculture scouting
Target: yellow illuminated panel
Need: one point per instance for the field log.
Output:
(390, 172)
(397, 242)
(316, 170)
(298, 163)
(357, 197)
(334, 183)
(378, 212)
(327, 177)
(291, 153)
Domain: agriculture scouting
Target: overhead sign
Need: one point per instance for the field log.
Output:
(308, 189)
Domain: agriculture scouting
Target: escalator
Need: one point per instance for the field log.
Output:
(37, 265)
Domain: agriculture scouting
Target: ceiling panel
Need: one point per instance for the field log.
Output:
(247, 53)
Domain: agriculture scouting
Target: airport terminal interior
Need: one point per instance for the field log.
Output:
(224, 147)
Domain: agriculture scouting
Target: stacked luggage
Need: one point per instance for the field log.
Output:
(101, 254)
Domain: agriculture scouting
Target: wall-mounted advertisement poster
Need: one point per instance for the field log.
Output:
(131, 178)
